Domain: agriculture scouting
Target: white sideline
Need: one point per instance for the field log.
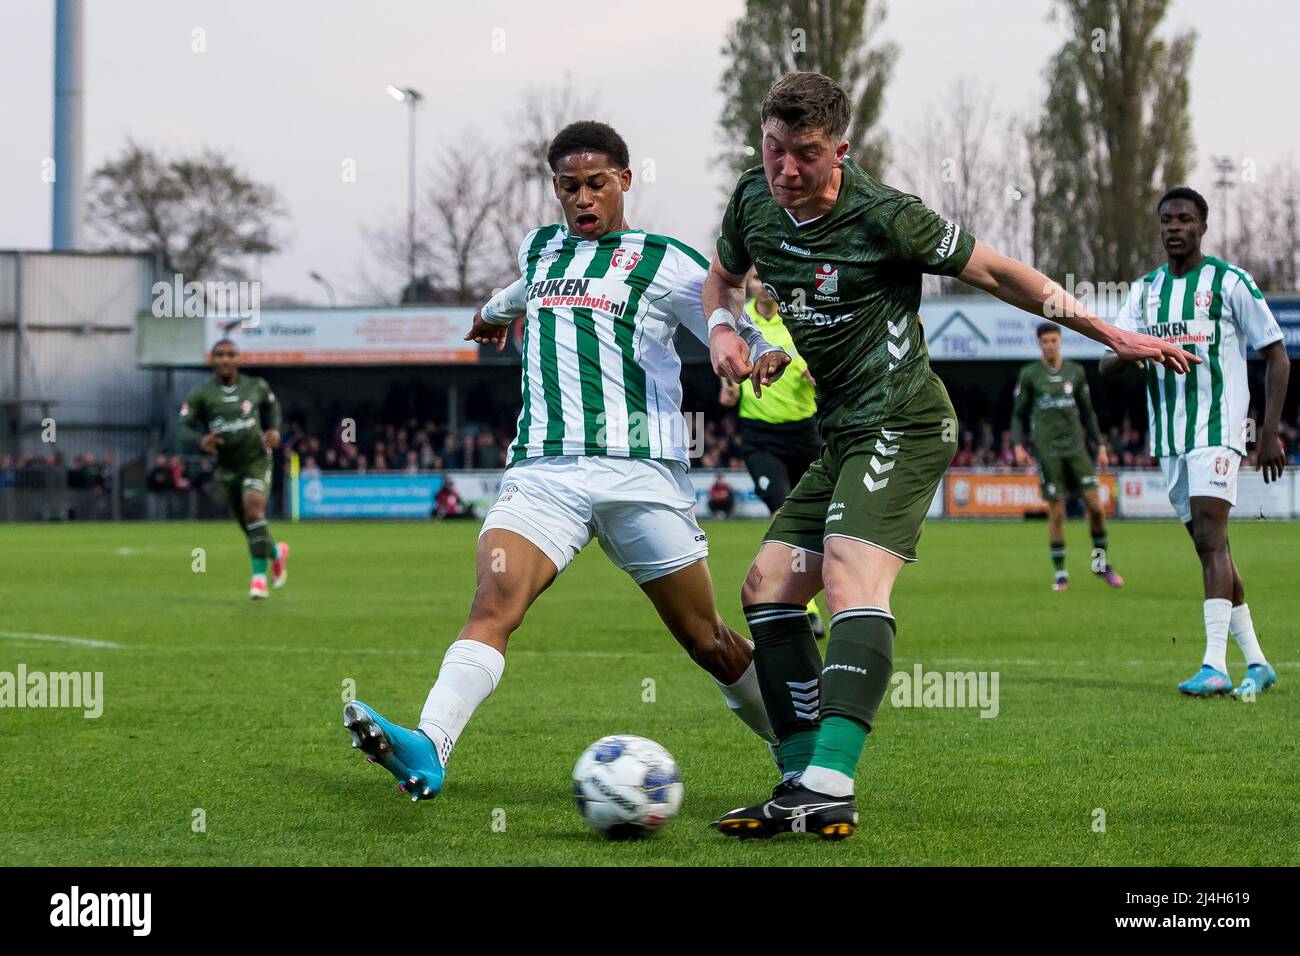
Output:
(59, 639)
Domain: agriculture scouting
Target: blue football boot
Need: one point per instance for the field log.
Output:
(1207, 682)
(407, 754)
(1259, 678)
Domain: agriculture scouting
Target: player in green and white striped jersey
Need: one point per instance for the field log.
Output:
(1197, 422)
(601, 451)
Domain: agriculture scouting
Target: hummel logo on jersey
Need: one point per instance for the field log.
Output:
(796, 249)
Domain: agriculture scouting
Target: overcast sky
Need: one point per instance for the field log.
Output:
(292, 89)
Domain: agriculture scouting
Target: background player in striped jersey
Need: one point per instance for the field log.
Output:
(1198, 424)
(778, 429)
(225, 416)
(1053, 394)
(845, 255)
(601, 450)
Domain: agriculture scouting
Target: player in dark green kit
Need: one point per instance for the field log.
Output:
(843, 255)
(1053, 394)
(227, 416)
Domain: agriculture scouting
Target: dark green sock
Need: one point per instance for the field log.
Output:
(788, 666)
(839, 745)
(1058, 557)
(261, 546)
(797, 751)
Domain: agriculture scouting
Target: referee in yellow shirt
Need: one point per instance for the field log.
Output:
(778, 430)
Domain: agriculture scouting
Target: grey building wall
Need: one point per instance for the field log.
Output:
(68, 354)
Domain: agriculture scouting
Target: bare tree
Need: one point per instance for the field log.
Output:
(199, 214)
(527, 199)
(1265, 237)
(953, 165)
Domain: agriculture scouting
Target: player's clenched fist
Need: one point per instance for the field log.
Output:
(729, 354)
(485, 333)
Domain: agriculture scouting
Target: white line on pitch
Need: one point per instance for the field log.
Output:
(59, 639)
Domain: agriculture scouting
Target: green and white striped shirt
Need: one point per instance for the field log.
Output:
(1213, 311)
(600, 373)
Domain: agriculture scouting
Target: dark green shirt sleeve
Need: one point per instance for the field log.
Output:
(926, 239)
(193, 422)
(1020, 411)
(1088, 414)
(732, 254)
(270, 409)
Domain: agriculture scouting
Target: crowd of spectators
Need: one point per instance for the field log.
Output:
(87, 472)
(405, 447)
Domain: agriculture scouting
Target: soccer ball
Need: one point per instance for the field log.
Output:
(626, 787)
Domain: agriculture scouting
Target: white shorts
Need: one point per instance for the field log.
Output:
(1201, 473)
(641, 511)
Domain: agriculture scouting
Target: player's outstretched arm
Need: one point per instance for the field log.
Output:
(1026, 288)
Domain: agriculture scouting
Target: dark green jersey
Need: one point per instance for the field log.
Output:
(1059, 408)
(848, 285)
(235, 413)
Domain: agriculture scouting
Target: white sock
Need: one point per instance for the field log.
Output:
(745, 698)
(1218, 612)
(1242, 629)
(830, 782)
(470, 672)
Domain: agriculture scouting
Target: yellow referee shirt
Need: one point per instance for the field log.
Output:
(790, 398)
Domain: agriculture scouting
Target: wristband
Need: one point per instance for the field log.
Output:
(722, 317)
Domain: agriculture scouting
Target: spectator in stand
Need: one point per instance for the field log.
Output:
(179, 480)
(412, 462)
(488, 454)
(160, 475)
(381, 462)
(330, 462)
(452, 455)
(362, 464)
(8, 477)
(309, 467)
(965, 457)
(722, 499)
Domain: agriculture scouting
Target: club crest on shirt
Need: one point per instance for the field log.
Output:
(625, 259)
(245, 406)
(1068, 388)
(1204, 298)
(827, 279)
(1221, 465)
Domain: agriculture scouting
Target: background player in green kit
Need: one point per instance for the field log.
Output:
(226, 415)
(778, 428)
(844, 255)
(1053, 394)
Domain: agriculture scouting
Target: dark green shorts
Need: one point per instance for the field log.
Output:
(874, 483)
(252, 476)
(1070, 474)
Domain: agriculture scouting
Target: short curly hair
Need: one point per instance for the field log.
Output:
(587, 136)
(808, 100)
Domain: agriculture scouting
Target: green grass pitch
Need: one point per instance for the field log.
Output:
(217, 704)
